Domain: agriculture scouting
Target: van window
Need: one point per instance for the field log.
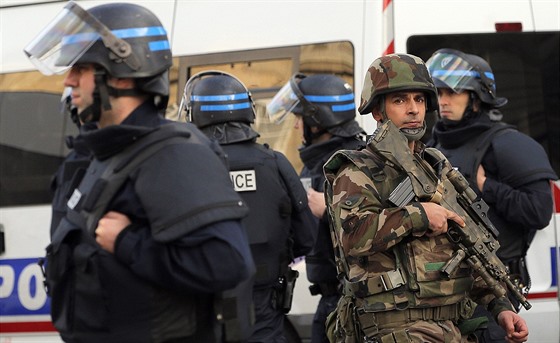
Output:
(525, 65)
(264, 72)
(32, 134)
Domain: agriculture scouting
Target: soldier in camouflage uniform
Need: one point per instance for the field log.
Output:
(390, 255)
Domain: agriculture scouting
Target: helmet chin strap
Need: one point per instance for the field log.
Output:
(101, 102)
(311, 136)
(414, 134)
(100, 98)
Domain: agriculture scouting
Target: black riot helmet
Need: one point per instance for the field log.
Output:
(324, 101)
(122, 40)
(215, 97)
(460, 71)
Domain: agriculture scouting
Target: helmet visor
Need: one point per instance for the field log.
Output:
(61, 43)
(282, 104)
(453, 71)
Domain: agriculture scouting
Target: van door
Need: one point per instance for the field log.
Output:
(527, 71)
(32, 136)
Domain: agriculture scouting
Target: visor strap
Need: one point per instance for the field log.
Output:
(307, 105)
(120, 50)
(382, 109)
(486, 82)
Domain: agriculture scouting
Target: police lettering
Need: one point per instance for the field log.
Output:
(243, 180)
(21, 288)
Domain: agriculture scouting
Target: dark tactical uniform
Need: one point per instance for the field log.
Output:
(393, 290)
(326, 105)
(133, 295)
(320, 264)
(280, 225)
(518, 171)
(185, 242)
(62, 184)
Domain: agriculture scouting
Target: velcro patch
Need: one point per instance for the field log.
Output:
(74, 199)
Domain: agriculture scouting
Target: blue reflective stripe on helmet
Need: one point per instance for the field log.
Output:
(224, 97)
(471, 73)
(489, 75)
(140, 32)
(330, 98)
(159, 45)
(123, 33)
(341, 108)
(228, 107)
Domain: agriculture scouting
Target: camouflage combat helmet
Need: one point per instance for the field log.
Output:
(397, 72)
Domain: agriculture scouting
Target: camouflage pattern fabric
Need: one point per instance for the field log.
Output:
(396, 72)
(374, 239)
(423, 331)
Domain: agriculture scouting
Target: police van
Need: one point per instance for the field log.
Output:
(264, 42)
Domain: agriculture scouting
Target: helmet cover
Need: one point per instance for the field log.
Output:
(397, 72)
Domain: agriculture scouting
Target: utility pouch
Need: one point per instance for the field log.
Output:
(341, 324)
(396, 336)
(286, 290)
(235, 312)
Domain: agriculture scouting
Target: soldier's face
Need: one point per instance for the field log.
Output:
(452, 105)
(404, 109)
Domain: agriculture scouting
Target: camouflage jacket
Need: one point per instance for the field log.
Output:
(388, 261)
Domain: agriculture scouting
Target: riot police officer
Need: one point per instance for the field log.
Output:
(77, 159)
(325, 111)
(280, 225)
(145, 245)
(470, 133)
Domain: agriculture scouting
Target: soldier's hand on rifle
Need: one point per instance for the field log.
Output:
(108, 228)
(514, 326)
(438, 217)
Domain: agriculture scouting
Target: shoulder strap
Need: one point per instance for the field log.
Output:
(122, 164)
(343, 270)
(367, 162)
(485, 139)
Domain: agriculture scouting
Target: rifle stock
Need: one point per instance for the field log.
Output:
(477, 242)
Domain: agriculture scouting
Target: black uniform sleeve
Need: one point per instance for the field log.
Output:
(208, 260)
(304, 227)
(530, 205)
(190, 237)
(518, 180)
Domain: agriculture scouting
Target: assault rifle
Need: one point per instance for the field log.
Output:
(435, 180)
